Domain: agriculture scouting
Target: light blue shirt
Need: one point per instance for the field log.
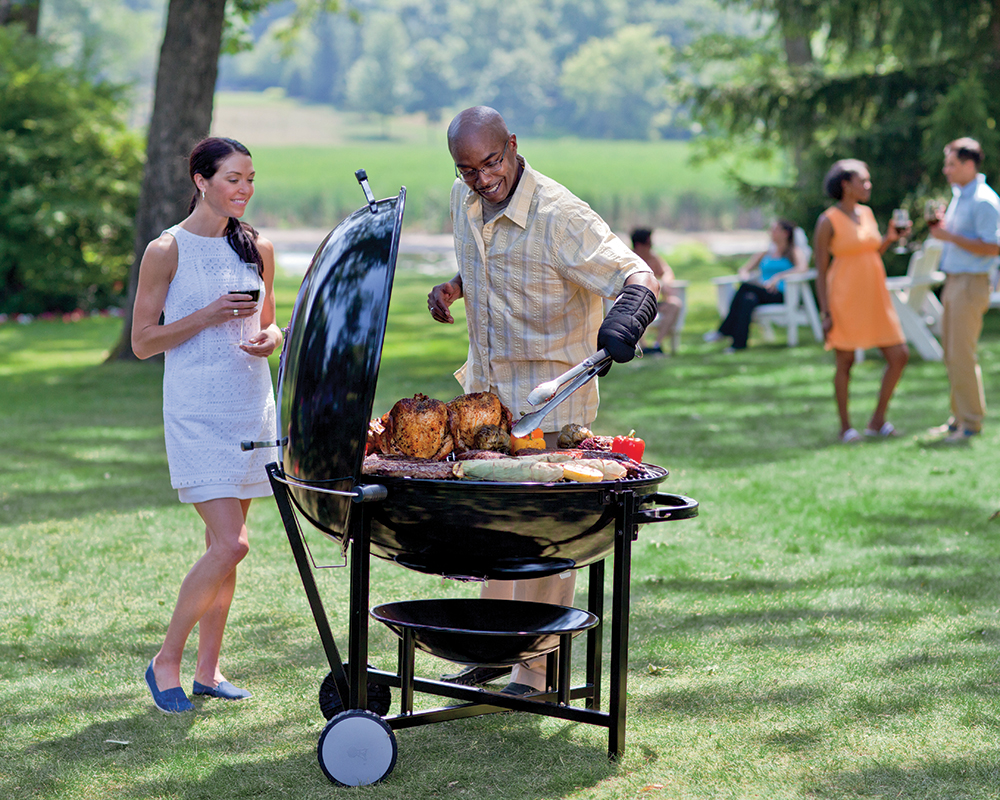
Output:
(974, 212)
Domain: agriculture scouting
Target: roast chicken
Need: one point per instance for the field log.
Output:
(470, 412)
(422, 428)
(416, 426)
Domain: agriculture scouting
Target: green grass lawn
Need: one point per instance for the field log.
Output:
(828, 627)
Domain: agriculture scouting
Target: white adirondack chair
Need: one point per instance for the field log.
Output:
(917, 306)
(799, 307)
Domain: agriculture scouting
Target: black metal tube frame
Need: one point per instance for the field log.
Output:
(352, 682)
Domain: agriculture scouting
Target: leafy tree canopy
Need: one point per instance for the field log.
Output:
(69, 176)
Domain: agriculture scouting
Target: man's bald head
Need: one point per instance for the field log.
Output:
(485, 153)
(475, 122)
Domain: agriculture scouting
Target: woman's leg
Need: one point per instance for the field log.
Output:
(212, 625)
(207, 589)
(841, 379)
(737, 323)
(896, 358)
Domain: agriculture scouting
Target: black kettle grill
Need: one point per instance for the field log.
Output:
(466, 529)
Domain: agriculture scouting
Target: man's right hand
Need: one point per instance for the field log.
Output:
(441, 297)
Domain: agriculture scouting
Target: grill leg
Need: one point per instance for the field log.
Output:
(625, 527)
(406, 669)
(565, 645)
(294, 534)
(595, 642)
(357, 662)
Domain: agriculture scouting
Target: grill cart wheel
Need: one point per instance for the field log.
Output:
(356, 748)
(379, 697)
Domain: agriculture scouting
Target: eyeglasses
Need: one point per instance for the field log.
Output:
(488, 168)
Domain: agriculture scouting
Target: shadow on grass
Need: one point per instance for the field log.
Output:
(974, 775)
(731, 700)
(153, 755)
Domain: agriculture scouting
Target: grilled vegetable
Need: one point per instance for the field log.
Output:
(492, 437)
(533, 441)
(512, 470)
(629, 445)
(571, 435)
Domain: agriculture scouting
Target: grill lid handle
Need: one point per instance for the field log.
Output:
(362, 177)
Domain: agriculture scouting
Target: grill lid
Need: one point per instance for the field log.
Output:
(326, 389)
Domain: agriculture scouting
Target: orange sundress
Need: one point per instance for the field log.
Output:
(858, 301)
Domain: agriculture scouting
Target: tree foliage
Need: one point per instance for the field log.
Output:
(69, 173)
(511, 54)
(886, 81)
(618, 84)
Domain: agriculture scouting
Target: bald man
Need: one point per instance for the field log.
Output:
(534, 264)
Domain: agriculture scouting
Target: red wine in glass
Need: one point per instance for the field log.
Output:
(255, 296)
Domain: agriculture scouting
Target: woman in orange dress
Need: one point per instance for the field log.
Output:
(854, 301)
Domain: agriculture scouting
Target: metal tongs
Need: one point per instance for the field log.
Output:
(549, 391)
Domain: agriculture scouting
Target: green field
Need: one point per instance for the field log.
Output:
(827, 628)
(302, 181)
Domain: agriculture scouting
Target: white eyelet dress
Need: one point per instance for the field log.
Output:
(214, 394)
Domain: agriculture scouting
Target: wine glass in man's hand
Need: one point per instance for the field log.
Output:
(933, 213)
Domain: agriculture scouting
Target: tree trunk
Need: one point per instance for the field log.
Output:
(23, 11)
(182, 116)
(795, 34)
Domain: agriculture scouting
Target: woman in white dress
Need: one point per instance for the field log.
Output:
(202, 275)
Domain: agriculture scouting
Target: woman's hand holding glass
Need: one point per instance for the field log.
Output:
(244, 305)
(901, 223)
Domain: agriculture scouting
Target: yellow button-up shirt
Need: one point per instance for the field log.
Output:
(533, 279)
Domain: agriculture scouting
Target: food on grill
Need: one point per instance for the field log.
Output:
(468, 455)
(544, 467)
(417, 427)
(512, 470)
(417, 434)
(533, 441)
(492, 437)
(597, 443)
(470, 412)
(400, 467)
(630, 446)
(571, 435)
(583, 473)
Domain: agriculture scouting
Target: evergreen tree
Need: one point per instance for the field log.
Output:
(886, 81)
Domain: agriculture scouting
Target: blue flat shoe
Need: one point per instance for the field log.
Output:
(169, 701)
(224, 691)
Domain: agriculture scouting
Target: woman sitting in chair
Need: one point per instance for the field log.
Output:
(782, 258)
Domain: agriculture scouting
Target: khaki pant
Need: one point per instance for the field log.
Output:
(965, 299)
(555, 589)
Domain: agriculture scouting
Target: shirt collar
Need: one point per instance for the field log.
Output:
(520, 203)
(970, 188)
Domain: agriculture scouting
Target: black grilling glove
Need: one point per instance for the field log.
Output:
(626, 322)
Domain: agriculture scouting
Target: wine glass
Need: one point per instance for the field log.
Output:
(255, 296)
(901, 221)
(933, 212)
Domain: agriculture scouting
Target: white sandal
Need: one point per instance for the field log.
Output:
(850, 435)
(887, 430)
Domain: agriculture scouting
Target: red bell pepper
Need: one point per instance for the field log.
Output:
(629, 446)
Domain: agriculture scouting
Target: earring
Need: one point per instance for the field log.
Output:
(202, 194)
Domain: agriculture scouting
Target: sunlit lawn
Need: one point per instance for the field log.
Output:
(828, 627)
